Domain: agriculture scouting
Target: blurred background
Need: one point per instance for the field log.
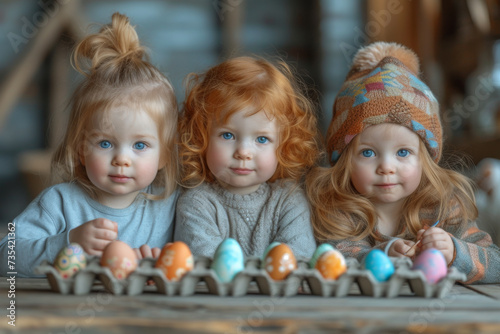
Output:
(458, 42)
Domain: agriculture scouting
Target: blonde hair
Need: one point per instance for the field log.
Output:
(340, 212)
(118, 73)
(253, 85)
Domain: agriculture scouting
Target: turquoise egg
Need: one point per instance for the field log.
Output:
(268, 249)
(318, 252)
(379, 264)
(228, 260)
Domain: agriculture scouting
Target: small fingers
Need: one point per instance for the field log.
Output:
(103, 223)
(146, 251)
(437, 244)
(105, 234)
(93, 252)
(138, 253)
(96, 246)
(156, 252)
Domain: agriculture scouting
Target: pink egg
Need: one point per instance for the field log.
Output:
(433, 264)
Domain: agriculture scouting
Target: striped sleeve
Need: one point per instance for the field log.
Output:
(476, 254)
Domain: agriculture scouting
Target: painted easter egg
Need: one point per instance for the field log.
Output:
(432, 263)
(318, 252)
(175, 260)
(70, 260)
(280, 262)
(228, 260)
(379, 264)
(331, 264)
(120, 258)
(271, 246)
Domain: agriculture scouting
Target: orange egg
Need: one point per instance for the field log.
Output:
(280, 262)
(175, 260)
(120, 258)
(331, 264)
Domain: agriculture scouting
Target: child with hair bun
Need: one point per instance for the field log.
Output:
(248, 135)
(385, 188)
(118, 159)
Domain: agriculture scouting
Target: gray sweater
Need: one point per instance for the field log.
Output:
(42, 229)
(278, 211)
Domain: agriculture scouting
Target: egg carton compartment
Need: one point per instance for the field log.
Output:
(403, 273)
(370, 286)
(237, 287)
(186, 286)
(84, 279)
(340, 287)
(422, 288)
(268, 286)
(79, 284)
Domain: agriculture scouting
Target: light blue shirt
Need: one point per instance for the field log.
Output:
(42, 229)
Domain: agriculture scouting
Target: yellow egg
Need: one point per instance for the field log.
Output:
(331, 264)
(120, 258)
(280, 262)
(175, 260)
(70, 260)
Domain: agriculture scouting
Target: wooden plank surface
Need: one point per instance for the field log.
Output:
(492, 290)
(462, 310)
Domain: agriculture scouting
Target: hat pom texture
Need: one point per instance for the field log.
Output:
(369, 56)
(383, 87)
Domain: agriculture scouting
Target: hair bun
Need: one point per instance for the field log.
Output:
(369, 56)
(115, 45)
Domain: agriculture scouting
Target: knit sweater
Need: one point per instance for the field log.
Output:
(42, 229)
(475, 253)
(278, 211)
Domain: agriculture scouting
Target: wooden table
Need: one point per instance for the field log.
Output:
(465, 309)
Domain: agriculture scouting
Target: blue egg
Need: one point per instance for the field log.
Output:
(228, 260)
(379, 264)
(318, 252)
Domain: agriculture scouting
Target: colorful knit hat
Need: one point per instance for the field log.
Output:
(382, 87)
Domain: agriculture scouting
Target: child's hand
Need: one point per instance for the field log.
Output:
(94, 235)
(435, 237)
(145, 251)
(400, 247)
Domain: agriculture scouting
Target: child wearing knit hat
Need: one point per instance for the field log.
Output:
(385, 188)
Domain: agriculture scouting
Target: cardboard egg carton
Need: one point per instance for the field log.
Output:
(370, 286)
(239, 286)
(79, 284)
(403, 273)
(82, 282)
(328, 287)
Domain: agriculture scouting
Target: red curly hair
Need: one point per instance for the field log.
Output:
(253, 84)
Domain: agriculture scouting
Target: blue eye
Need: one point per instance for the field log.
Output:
(368, 153)
(227, 135)
(139, 145)
(105, 144)
(262, 140)
(403, 153)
